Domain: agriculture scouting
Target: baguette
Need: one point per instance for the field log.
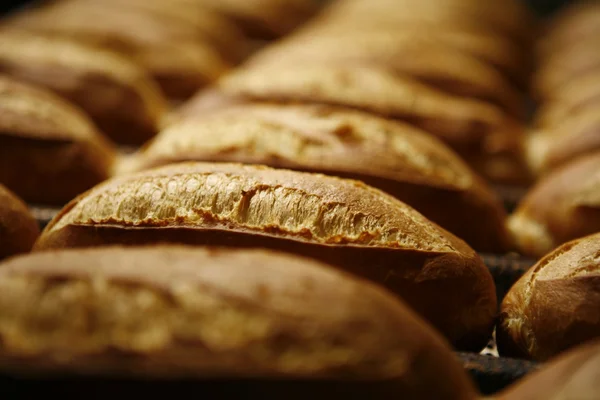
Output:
(407, 163)
(563, 206)
(428, 61)
(49, 150)
(572, 376)
(210, 314)
(458, 121)
(18, 228)
(341, 222)
(555, 305)
(576, 136)
(180, 60)
(119, 96)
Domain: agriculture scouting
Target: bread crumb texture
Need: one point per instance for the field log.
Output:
(283, 203)
(217, 309)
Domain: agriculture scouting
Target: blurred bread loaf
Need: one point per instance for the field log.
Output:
(405, 162)
(556, 305)
(49, 150)
(178, 54)
(574, 375)
(211, 314)
(562, 206)
(342, 222)
(118, 95)
(18, 228)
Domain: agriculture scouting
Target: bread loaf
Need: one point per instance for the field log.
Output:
(427, 60)
(177, 312)
(556, 305)
(18, 228)
(458, 121)
(342, 222)
(267, 19)
(49, 150)
(577, 135)
(118, 95)
(176, 55)
(564, 205)
(576, 97)
(574, 375)
(405, 162)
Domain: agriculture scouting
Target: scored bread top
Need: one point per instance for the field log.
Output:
(32, 112)
(66, 61)
(310, 137)
(257, 199)
(237, 313)
(580, 257)
(369, 88)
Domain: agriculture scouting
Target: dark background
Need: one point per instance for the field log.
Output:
(542, 6)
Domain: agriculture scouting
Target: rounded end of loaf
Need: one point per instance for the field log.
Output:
(18, 228)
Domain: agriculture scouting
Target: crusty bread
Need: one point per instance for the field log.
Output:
(263, 19)
(119, 96)
(574, 98)
(562, 206)
(556, 72)
(18, 228)
(427, 60)
(342, 222)
(173, 312)
(494, 50)
(226, 38)
(49, 150)
(509, 18)
(575, 136)
(555, 305)
(459, 121)
(578, 22)
(403, 161)
(175, 55)
(572, 376)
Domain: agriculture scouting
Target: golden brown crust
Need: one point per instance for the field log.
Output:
(575, 136)
(578, 22)
(211, 313)
(456, 120)
(266, 19)
(18, 228)
(556, 305)
(49, 150)
(427, 60)
(342, 222)
(575, 98)
(573, 375)
(117, 94)
(396, 158)
(179, 59)
(564, 205)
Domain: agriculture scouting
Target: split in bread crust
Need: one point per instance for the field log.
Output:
(556, 305)
(396, 158)
(342, 222)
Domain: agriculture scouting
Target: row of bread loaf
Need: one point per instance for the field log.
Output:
(455, 69)
(123, 61)
(284, 325)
